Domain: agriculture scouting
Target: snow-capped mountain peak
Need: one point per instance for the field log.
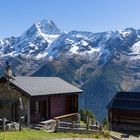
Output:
(49, 27)
(45, 26)
(33, 43)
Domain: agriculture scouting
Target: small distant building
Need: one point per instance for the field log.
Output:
(41, 98)
(124, 112)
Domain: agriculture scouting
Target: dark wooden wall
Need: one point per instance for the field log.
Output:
(125, 115)
(57, 106)
(61, 105)
(53, 106)
(124, 119)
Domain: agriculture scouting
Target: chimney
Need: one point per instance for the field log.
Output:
(8, 71)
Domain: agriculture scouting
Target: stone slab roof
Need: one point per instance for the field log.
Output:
(36, 86)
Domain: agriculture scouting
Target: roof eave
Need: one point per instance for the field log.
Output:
(20, 90)
(54, 94)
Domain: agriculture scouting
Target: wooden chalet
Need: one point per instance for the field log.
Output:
(41, 98)
(124, 112)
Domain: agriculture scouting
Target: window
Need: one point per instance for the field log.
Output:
(37, 107)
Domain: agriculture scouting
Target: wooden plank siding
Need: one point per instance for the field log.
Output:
(53, 106)
(57, 106)
(121, 119)
(125, 114)
(61, 105)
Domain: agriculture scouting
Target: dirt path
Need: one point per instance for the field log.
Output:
(78, 139)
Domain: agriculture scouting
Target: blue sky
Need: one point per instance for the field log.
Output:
(16, 16)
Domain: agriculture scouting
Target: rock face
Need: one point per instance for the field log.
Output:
(99, 63)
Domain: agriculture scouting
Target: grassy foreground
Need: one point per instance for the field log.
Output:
(29, 134)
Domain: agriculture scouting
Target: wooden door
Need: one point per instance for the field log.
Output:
(43, 110)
